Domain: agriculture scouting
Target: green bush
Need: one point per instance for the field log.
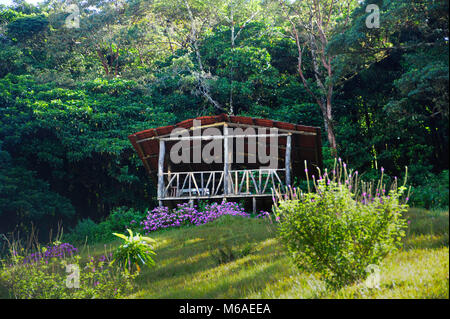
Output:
(85, 231)
(119, 220)
(135, 252)
(47, 278)
(342, 227)
(433, 194)
(122, 218)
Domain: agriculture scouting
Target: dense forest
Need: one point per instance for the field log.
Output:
(77, 77)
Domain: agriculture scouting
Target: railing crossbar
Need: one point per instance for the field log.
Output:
(208, 187)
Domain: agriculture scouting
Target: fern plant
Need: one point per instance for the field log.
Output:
(135, 252)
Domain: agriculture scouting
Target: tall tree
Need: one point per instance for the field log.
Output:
(312, 24)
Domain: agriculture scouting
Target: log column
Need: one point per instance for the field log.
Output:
(226, 161)
(162, 151)
(287, 159)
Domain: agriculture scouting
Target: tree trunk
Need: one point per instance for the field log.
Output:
(326, 107)
(103, 61)
(330, 129)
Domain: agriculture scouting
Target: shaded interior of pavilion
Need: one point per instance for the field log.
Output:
(221, 157)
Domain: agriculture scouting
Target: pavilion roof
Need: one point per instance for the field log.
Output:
(306, 140)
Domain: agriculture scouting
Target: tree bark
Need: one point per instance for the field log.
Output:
(322, 68)
(103, 61)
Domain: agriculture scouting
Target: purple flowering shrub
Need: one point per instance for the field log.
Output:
(163, 217)
(266, 215)
(343, 225)
(58, 250)
(44, 274)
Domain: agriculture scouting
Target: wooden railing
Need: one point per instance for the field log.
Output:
(210, 184)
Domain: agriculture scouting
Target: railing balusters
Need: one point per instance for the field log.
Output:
(195, 184)
(202, 188)
(213, 183)
(207, 186)
(260, 180)
(267, 181)
(190, 193)
(257, 189)
(248, 182)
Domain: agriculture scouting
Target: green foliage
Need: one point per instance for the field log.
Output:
(404, 121)
(70, 97)
(135, 252)
(226, 248)
(187, 267)
(10, 59)
(341, 228)
(48, 278)
(85, 231)
(227, 253)
(26, 199)
(26, 27)
(432, 193)
(74, 142)
(121, 218)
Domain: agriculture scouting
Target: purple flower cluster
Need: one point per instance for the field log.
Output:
(266, 215)
(183, 214)
(56, 251)
(263, 214)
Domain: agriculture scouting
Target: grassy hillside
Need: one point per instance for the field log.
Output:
(189, 264)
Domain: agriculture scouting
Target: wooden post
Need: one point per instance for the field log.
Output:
(226, 161)
(162, 151)
(254, 205)
(202, 187)
(288, 159)
(260, 182)
(248, 183)
(177, 191)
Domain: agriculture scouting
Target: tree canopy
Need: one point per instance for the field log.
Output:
(70, 94)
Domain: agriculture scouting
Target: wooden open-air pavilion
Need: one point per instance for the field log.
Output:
(238, 171)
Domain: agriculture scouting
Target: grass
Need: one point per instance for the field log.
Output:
(236, 257)
(253, 264)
